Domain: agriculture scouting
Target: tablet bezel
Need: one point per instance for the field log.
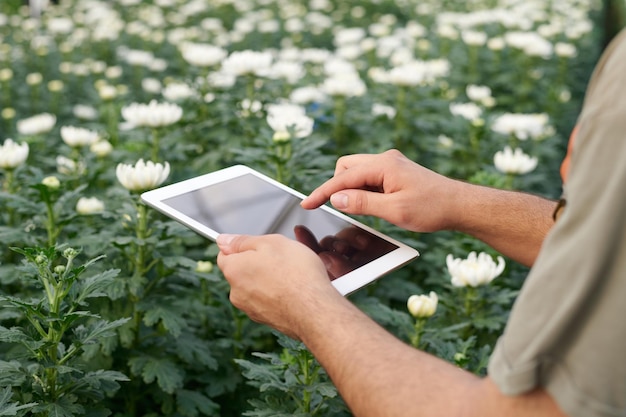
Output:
(345, 284)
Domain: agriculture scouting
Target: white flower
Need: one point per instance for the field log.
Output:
(474, 38)
(13, 154)
(532, 43)
(307, 95)
(475, 270)
(85, 112)
(177, 91)
(469, 111)
(514, 162)
(37, 124)
(379, 109)
(565, 50)
(221, 79)
(407, 75)
(78, 136)
(202, 55)
(143, 176)
(347, 85)
(477, 92)
(287, 120)
(246, 62)
(51, 182)
(422, 306)
(89, 205)
(152, 115)
(68, 166)
(151, 85)
(522, 126)
(101, 148)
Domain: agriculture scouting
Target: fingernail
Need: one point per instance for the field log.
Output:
(339, 200)
(224, 239)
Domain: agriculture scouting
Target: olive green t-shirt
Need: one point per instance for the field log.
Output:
(567, 329)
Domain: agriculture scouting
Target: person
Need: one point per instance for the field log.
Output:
(561, 353)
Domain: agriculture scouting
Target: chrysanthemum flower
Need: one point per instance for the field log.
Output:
(12, 154)
(474, 271)
(143, 176)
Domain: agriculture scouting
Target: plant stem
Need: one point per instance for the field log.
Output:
(340, 114)
(155, 145)
(51, 226)
(419, 331)
(400, 127)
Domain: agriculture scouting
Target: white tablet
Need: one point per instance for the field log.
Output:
(240, 200)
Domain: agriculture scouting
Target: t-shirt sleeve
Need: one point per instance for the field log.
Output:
(567, 329)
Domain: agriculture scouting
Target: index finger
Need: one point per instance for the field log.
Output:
(352, 172)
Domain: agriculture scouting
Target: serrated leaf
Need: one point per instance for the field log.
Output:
(167, 375)
(98, 330)
(195, 351)
(261, 376)
(172, 320)
(63, 407)
(11, 373)
(13, 335)
(192, 403)
(11, 409)
(94, 286)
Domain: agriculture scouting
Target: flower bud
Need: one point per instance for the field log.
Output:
(59, 269)
(41, 259)
(51, 182)
(423, 306)
(89, 205)
(204, 266)
(70, 253)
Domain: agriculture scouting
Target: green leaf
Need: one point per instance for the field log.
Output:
(174, 261)
(192, 403)
(98, 330)
(94, 286)
(194, 351)
(172, 319)
(12, 373)
(11, 409)
(64, 407)
(13, 335)
(168, 376)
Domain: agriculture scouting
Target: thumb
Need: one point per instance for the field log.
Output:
(230, 244)
(358, 202)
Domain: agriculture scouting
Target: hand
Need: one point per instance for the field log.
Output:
(345, 251)
(392, 187)
(275, 280)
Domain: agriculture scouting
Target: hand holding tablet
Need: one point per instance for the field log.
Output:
(240, 200)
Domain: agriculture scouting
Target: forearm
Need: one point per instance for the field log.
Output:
(378, 375)
(513, 223)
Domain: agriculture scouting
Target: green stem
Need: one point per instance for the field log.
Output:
(155, 145)
(338, 129)
(400, 126)
(416, 337)
(8, 181)
(141, 233)
(470, 299)
(304, 359)
(51, 226)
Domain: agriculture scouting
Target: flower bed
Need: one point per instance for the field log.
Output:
(108, 307)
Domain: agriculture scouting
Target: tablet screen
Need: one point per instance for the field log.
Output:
(248, 205)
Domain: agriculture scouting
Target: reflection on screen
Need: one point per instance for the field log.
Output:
(249, 205)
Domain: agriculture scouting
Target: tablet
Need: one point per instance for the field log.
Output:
(240, 200)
